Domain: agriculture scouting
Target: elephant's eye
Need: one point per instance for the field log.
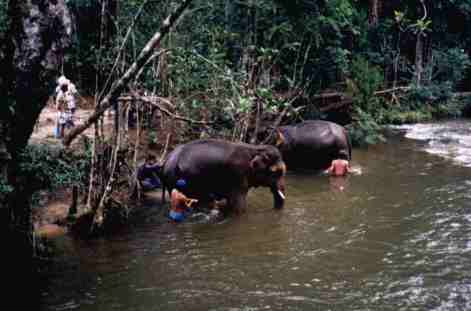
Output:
(277, 170)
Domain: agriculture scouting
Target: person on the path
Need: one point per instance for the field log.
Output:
(180, 204)
(66, 92)
(62, 116)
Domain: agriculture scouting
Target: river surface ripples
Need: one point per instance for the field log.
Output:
(395, 237)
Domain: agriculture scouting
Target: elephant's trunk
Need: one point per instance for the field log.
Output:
(278, 192)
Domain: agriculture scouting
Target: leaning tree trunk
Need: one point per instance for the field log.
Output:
(373, 12)
(419, 59)
(39, 31)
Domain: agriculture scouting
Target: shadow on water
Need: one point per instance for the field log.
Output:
(395, 237)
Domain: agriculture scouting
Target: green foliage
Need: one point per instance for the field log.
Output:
(364, 130)
(5, 189)
(449, 65)
(397, 116)
(224, 56)
(47, 169)
(431, 94)
(452, 108)
(364, 82)
(3, 17)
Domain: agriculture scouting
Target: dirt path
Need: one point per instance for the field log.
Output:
(44, 128)
(54, 206)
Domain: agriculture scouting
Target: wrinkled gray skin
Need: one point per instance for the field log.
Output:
(225, 170)
(168, 174)
(313, 144)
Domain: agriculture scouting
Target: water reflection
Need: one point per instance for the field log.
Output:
(394, 238)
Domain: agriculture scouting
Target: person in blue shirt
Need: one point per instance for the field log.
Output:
(147, 174)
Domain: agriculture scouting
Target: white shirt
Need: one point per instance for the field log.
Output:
(67, 96)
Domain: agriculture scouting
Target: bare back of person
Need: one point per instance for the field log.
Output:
(339, 167)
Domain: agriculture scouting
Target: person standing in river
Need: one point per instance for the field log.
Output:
(339, 167)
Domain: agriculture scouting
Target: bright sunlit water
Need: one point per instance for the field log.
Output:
(396, 237)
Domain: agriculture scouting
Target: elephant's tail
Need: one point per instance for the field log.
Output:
(163, 192)
(349, 142)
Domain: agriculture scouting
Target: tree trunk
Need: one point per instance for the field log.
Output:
(373, 12)
(419, 59)
(30, 56)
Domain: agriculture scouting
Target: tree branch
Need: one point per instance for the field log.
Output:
(164, 110)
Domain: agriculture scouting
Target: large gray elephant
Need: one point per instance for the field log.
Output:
(169, 170)
(313, 144)
(223, 169)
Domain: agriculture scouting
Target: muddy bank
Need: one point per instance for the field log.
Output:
(52, 219)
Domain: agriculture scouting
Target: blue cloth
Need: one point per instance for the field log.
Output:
(176, 216)
(147, 175)
(148, 171)
(150, 184)
(181, 183)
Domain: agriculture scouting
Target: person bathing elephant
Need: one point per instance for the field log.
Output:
(223, 169)
(313, 144)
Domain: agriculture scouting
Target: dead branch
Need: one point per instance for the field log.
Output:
(164, 152)
(121, 84)
(462, 95)
(135, 183)
(154, 56)
(393, 90)
(281, 116)
(153, 102)
(343, 95)
(336, 105)
(98, 210)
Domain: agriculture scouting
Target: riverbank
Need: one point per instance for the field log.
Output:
(57, 170)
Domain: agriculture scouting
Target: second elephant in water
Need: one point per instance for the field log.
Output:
(223, 169)
(313, 144)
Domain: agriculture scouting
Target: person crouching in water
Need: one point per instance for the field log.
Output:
(339, 166)
(147, 174)
(180, 204)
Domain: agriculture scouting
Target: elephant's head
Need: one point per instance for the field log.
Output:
(282, 140)
(268, 170)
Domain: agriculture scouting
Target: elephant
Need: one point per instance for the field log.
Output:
(313, 144)
(223, 169)
(169, 169)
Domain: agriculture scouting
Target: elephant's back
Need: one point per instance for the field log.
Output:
(208, 150)
(211, 166)
(314, 144)
(212, 156)
(316, 135)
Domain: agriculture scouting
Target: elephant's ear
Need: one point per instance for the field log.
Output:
(279, 138)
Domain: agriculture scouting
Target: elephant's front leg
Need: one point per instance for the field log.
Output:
(237, 202)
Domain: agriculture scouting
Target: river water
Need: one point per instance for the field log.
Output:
(396, 237)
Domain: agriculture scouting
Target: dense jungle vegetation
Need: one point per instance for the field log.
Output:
(225, 57)
(227, 69)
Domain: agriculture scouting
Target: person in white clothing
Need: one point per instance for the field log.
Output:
(65, 104)
(67, 91)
